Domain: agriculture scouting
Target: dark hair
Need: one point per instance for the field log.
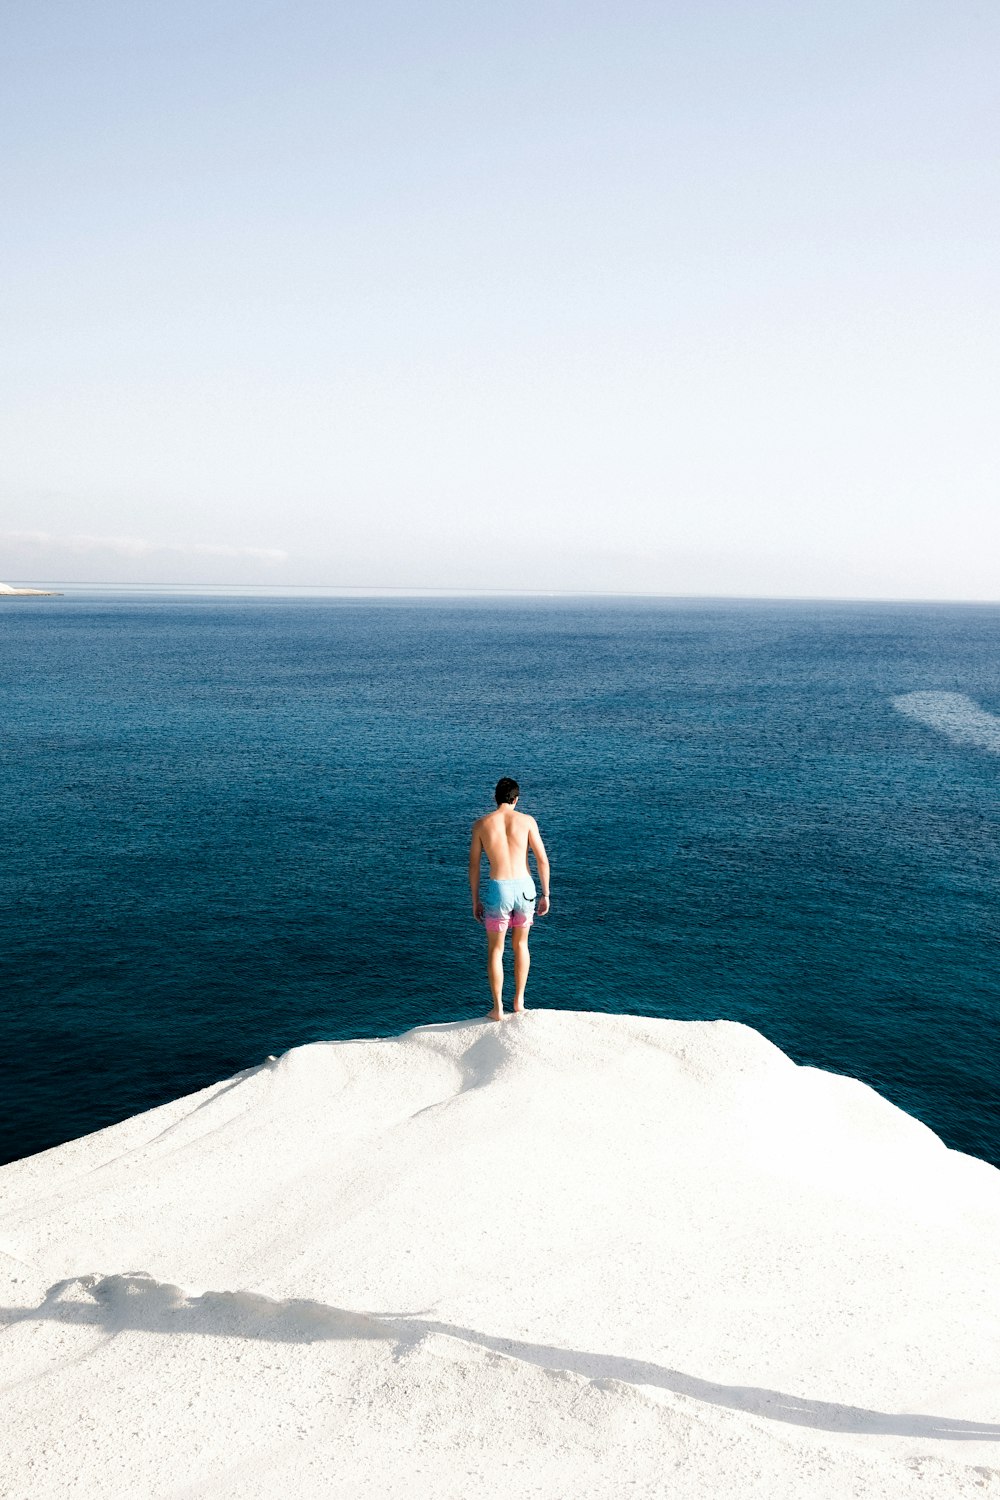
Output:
(507, 790)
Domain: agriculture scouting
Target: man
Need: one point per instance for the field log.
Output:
(505, 836)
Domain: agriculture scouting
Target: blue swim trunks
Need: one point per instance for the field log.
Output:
(509, 902)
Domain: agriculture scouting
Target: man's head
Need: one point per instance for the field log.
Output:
(507, 790)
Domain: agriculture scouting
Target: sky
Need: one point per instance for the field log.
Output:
(684, 297)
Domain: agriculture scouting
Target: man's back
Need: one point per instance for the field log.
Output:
(504, 836)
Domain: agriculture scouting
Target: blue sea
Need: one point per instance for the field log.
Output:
(234, 825)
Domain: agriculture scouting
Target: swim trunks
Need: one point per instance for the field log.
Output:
(509, 902)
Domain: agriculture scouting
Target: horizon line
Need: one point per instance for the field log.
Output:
(414, 591)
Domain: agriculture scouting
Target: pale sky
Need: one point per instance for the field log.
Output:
(685, 298)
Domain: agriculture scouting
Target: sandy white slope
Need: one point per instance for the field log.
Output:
(567, 1255)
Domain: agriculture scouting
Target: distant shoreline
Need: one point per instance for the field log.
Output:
(348, 592)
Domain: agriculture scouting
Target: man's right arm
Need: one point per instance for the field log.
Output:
(542, 861)
(475, 855)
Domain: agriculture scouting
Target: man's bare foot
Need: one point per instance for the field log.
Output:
(495, 1015)
(517, 1010)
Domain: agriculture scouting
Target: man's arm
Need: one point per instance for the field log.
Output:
(542, 861)
(475, 854)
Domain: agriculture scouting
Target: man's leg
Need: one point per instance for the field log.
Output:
(522, 963)
(494, 968)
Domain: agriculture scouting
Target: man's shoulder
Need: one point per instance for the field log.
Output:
(526, 818)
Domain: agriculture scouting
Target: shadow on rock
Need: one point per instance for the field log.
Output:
(135, 1300)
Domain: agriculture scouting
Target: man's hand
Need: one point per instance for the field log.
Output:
(477, 911)
(543, 905)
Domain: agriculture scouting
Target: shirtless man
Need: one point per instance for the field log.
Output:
(505, 836)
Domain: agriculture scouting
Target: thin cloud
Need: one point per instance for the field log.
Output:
(134, 546)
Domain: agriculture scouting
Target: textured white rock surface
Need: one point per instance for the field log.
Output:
(572, 1254)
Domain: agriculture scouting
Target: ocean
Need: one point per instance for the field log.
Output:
(233, 825)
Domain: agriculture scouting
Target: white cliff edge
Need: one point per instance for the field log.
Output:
(570, 1254)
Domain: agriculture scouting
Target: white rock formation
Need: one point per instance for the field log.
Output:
(566, 1255)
